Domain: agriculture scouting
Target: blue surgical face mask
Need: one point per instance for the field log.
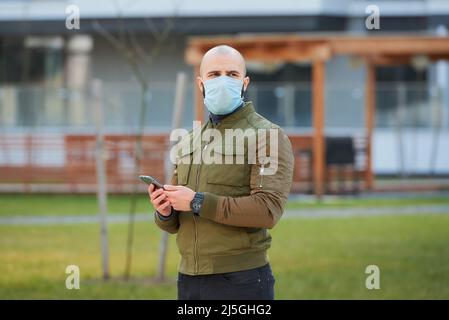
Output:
(223, 94)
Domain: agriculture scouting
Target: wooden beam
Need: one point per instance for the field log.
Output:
(437, 57)
(390, 45)
(388, 60)
(294, 47)
(198, 96)
(285, 51)
(370, 105)
(395, 60)
(318, 81)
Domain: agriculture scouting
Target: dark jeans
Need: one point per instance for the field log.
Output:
(253, 284)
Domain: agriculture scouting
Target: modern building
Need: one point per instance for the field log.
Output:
(47, 64)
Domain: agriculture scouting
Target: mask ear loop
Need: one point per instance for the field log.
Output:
(204, 91)
(243, 91)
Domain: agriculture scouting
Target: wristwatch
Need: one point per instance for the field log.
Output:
(197, 202)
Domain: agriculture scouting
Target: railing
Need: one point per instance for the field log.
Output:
(66, 163)
(70, 159)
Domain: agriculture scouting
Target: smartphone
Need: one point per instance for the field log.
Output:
(150, 180)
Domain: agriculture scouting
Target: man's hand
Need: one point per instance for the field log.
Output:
(159, 200)
(179, 197)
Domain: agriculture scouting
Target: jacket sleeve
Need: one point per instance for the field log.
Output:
(265, 204)
(170, 223)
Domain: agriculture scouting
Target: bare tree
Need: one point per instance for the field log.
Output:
(127, 45)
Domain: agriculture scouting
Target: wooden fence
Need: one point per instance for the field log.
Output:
(69, 160)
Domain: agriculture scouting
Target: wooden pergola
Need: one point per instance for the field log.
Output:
(374, 50)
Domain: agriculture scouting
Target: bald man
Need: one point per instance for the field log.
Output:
(221, 210)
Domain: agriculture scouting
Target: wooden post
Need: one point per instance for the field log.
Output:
(370, 105)
(101, 175)
(318, 77)
(198, 97)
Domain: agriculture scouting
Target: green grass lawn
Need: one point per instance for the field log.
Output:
(62, 204)
(57, 204)
(311, 258)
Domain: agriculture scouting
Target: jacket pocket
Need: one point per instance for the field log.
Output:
(221, 239)
(184, 164)
(232, 171)
(184, 238)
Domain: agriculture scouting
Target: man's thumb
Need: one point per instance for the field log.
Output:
(170, 187)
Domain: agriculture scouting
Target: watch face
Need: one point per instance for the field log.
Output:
(196, 206)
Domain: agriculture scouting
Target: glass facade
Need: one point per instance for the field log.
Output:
(405, 104)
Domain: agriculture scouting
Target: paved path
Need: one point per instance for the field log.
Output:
(299, 213)
(49, 220)
(367, 211)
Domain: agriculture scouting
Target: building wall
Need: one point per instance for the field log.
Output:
(121, 86)
(410, 152)
(344, 75)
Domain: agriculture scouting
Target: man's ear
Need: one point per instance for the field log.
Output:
(200, 84)
(245, 83)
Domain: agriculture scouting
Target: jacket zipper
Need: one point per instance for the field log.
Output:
(195, 245)
(195, 253)
(261, 172)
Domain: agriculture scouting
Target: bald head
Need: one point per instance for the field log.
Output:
(220, 55)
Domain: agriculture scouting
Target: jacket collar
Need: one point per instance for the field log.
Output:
(242, 113)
